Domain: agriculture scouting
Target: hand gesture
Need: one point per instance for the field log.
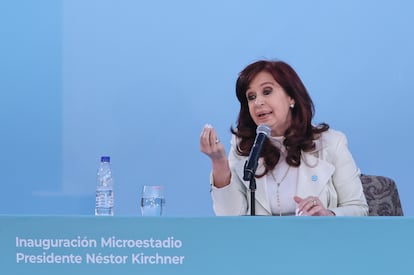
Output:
(211, 146)
(311, 206)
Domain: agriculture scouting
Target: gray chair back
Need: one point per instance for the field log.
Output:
(382, 196)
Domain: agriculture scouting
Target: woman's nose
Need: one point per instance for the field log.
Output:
(259, 101)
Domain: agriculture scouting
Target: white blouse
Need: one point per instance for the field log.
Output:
(281, 184)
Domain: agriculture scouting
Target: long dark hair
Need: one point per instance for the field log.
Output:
(301, 133)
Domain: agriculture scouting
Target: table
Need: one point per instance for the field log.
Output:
(206, 245)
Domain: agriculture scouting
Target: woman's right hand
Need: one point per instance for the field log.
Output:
(211, 146)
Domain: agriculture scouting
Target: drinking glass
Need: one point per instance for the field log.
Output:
(152, 200)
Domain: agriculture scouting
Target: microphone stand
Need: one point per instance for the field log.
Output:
(252, 196)
(249, 175)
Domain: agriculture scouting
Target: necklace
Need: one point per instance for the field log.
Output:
(277, 189)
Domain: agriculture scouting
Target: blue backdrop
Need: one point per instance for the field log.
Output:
(137, 80)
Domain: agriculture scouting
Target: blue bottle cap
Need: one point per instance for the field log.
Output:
(105, 159)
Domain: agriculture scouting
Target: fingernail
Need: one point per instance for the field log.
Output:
(208, 126)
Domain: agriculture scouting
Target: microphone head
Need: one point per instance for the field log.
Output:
(263, 128)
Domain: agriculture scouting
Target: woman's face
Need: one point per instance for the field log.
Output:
(269, 104)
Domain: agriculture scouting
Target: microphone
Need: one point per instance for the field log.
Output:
(262, 132)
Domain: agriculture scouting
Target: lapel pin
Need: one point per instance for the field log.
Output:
(314, 178)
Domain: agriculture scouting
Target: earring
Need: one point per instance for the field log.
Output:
(292, 105)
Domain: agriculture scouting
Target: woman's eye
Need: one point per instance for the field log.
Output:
(267, 91)
(251, 97)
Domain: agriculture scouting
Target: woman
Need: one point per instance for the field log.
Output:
(304, 169)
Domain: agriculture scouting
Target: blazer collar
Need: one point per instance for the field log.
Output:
(313, 174)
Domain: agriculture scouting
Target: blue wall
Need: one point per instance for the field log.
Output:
(30, 103)
(138, 80)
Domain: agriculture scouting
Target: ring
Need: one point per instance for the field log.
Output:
(217, 141)
(315, 202)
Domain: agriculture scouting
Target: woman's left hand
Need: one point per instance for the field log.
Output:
(311, 206)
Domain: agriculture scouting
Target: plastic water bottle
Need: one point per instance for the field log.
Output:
(104, 189)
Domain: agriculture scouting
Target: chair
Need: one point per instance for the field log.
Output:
(382, 196)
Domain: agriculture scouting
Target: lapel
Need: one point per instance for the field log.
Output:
(313, 174)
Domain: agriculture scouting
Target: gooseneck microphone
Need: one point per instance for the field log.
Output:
(262, 132)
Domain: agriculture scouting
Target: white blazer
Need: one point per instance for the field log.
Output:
(329, 172)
